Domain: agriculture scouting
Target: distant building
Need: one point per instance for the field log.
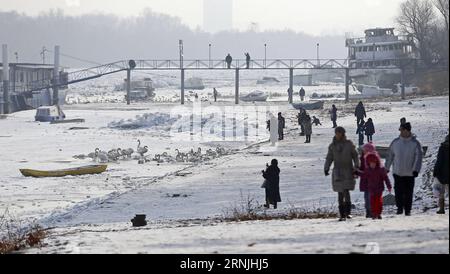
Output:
(24, 77)
(217, 15)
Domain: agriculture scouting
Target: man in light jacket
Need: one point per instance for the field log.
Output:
(405, 157)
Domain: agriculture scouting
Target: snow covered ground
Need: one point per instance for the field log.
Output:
(91, 214)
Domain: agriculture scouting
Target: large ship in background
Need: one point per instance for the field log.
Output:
(374, 59)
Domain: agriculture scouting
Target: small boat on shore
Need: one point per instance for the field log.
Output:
(309, 106)
(77, 171)
(255, 96)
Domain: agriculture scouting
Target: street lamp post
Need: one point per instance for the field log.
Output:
(210, 56)
(318, 58)
(265, 55)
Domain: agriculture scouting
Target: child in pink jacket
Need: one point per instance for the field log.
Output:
(376, 176)
(363, 187)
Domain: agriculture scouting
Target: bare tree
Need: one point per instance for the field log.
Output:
(417, 18)
(442, 6)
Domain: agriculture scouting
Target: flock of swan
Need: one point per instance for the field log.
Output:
(140, 154)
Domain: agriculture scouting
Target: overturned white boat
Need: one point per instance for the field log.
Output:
(194, 83)
(267, 80)
(255, 96)
(368, 91)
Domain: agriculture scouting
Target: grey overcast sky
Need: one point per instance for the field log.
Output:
(317, 17)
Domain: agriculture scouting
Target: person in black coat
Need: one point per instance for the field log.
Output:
(247, 60)
(333, 114)
(369, 129)
(360, 113)
(441, 173)
(272, 185)
(229, 59)
(281, 126)
(360, 132)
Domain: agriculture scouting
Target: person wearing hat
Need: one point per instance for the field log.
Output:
(440, 172)
(405, 157)
(375, 176)
(272, 185)
(363, 185)
(342, 152)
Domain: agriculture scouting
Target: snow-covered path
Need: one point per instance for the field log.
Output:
(104, 204)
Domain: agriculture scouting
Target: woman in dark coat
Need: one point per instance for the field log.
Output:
(441, 173)
(272, 186)
(369, 129)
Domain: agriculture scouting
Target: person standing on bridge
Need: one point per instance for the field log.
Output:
(228, 59)
(302, 94)
(247, 59)
(360, 113)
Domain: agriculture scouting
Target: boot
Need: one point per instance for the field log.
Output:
(368, 214)
(348, 210)
(342, 213)
(441, 206)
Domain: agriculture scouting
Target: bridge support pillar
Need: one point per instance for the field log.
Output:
(291, 85)
(128, 86)
(56, 77)
(182, 86)
(5, 79)
(347, 85)
(236, 99)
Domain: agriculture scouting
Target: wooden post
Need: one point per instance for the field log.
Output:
(347, 85)
(5, 79)
(291, 85)
(237, 87)
(128, 86)
(182, 86)
(56, 77)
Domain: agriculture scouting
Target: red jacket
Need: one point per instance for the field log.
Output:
(375, 179)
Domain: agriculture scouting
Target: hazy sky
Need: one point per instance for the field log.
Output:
(311, 16)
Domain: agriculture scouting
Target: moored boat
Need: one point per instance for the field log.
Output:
(309, 106)
(84, 170)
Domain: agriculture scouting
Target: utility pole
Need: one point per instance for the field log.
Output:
(43, 54)
(181, 47)
(56, 77)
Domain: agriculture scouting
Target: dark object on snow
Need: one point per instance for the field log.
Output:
(360, 113)
(272, 175)
(441, 167)
(139, 220)
(389, 200)
(309, 106)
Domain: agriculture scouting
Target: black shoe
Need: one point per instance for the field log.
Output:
(266, 206)
(342, 219)
(408, 213)
(379, 217)
(399, 211)
(441, 211)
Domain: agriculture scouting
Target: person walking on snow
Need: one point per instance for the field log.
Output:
(363, 186)
(272, 184)
(405, 157)
(369, 130)
(342, 152)
(440, 172)
(360, 113)
(360, 132)
(333, 114)
(316, 121)
(281, 126)
(302, 94)
(308, 129)
(376, 176)
(215, 93)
